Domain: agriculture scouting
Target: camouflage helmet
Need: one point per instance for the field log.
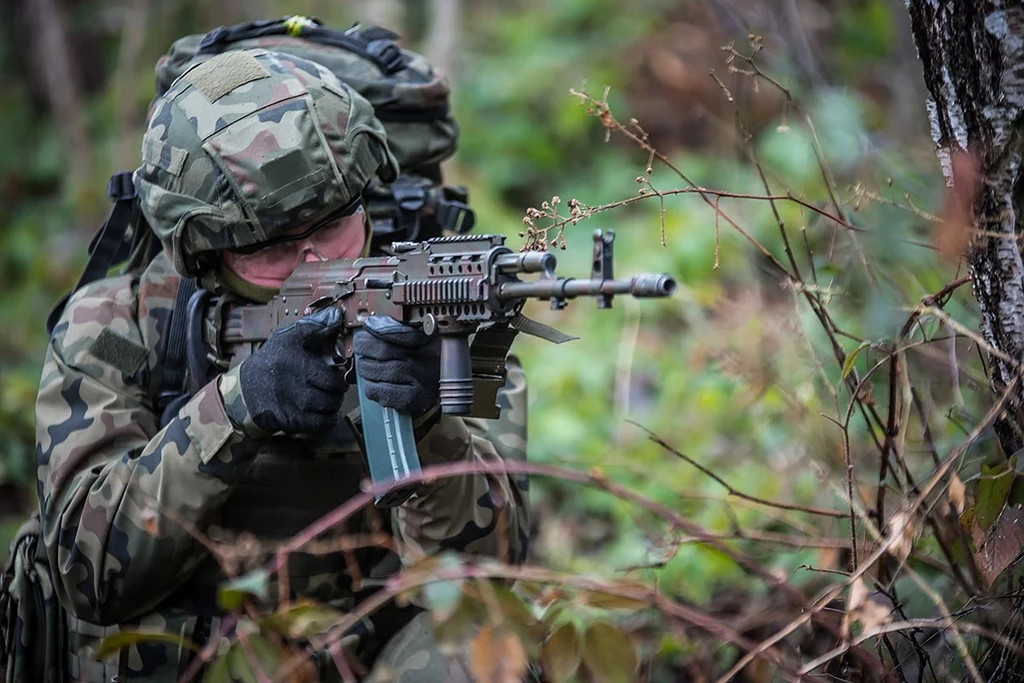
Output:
(249, 144)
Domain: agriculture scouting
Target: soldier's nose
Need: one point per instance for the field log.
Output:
(311, 255)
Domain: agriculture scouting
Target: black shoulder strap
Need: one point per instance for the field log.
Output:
(112, 241)
(173, 391)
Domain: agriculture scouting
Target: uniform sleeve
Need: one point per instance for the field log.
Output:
(481, 514)
(120, 497)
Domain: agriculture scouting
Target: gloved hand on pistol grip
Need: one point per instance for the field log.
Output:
(289, 384)
(399, 364)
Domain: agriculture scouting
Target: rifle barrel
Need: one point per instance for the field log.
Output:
(643, 286)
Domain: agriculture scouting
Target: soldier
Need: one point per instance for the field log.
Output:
(252, 163)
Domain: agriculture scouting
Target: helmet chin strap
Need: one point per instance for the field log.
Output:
(368, 225)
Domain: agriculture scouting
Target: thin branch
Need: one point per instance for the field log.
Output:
(732, 491)
(886, 543)
(897, 626)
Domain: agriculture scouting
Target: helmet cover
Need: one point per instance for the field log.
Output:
(249, 144)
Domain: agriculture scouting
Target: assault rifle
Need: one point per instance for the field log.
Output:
(456, 287)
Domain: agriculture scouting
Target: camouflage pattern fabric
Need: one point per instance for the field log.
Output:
(250, 144)
(122, 499)
(413, 656)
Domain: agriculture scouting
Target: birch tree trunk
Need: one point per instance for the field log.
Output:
(972, 55)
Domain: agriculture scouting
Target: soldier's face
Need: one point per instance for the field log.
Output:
(339, 238)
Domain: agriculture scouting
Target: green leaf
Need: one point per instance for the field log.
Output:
(993, 490)
(123, 639)
(520, 618)
(220, 670)
(560, 655)
(462, 623)
(231, 595)
(268, 655)
(236, 665)
(303, 620)
(606, 600)
(608, 654)
(852, 357)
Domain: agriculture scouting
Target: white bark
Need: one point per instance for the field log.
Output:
(972, 54)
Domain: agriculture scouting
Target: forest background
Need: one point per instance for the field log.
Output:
(759, 409)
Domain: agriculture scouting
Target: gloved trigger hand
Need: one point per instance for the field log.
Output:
(322, 329)
(399, 364)
(290, 384)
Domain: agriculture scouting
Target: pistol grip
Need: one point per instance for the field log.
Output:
(390, 447)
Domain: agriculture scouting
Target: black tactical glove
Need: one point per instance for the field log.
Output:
(400, 365)
(289, 385)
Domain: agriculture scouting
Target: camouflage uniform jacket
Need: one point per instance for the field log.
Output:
(123, 502)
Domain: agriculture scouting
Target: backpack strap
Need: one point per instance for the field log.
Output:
(173, 390)
(371, 42)
(452, 211)
(396, 211)
(111, 244)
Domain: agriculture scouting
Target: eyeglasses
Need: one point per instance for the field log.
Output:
(340, 235)
(347, 210)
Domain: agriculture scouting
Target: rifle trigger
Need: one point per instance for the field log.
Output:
(319, 304)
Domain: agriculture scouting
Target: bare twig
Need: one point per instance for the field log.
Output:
(733, 492)
(886, 543)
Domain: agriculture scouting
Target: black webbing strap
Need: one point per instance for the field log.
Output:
(409, 200)
(372, 43)
(111, 244)
(454, 215)
(173, 365)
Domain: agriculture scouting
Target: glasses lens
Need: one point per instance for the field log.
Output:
(276, 261)
(342, 238)
(337, 238)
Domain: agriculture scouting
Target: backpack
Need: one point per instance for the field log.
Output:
(408, 96)
(410, 99)
(31, 620)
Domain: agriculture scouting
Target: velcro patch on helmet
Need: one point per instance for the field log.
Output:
(220, 75)
(160, 154)
(126, 355)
